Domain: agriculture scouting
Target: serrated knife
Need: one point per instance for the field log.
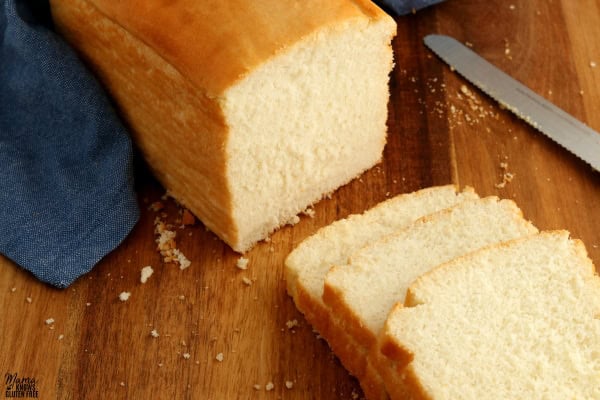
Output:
(555, 123)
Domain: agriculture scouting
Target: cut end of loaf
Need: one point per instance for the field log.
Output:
(306, 122)
(519, 317)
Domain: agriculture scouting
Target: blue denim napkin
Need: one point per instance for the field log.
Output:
(66, 174)
(401, 7)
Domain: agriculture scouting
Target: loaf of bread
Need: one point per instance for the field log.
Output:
(307, 266)
(516, 321)
(247, 112)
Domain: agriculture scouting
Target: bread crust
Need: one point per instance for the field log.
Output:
(254, 31)
(141, 81)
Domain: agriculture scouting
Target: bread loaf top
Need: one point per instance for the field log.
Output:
(215, 43)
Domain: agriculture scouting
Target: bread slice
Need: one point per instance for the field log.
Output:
(307, 265)
(517, 320)
(362, 293)
(247, 112)
(376, 277)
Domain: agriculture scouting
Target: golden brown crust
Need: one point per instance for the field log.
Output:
(342, 344)
(189, 34)
(335, 299)
(142, 83)
(350, 353)
(372, 385)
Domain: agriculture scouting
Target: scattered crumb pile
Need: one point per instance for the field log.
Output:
(165, 240)
(507, 177)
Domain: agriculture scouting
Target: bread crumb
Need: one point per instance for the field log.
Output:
(310, 212)
(269, 386)
(181, 297)
(166, 245)
(186, 356)
(292, 324)
(156, 206)
(187, 218)
(88, 304)
(289, 384)
(182, 259)
(28, 299)
(593, 64)
(256, 387)
(154, 333)
(219, 357)
(122, 383)
(242, 263)
(507, 177)
(49, 321)
(294, 220)
(14, 289)
(61, 337)
(146, 273)
(247, 281)
(124, 296)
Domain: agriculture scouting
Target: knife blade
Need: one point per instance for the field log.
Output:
(552, 121)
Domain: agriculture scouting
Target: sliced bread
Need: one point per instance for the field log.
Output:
(308, 264)
(364, 291)
(517, 320)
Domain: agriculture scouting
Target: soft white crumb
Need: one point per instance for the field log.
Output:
(186, 356)
(124, 296)
(269, 386)
(146, 273)
(13, 289)
(289, 384)
(247, 281)
(256, 387)
(294, 220)
(219, 357)
(292, 324)
(183, 261)
(593, 64)
(122, 383)
(49, 321)
(61, 337)
(309, 212)
(154, 333)
(242, 263)
(88, 304)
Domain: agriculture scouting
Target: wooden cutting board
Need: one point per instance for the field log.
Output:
(441, 130)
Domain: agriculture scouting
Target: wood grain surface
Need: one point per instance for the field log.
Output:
(441, 130)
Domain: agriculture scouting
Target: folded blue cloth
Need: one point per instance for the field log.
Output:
(66, 174)
(401, 7)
